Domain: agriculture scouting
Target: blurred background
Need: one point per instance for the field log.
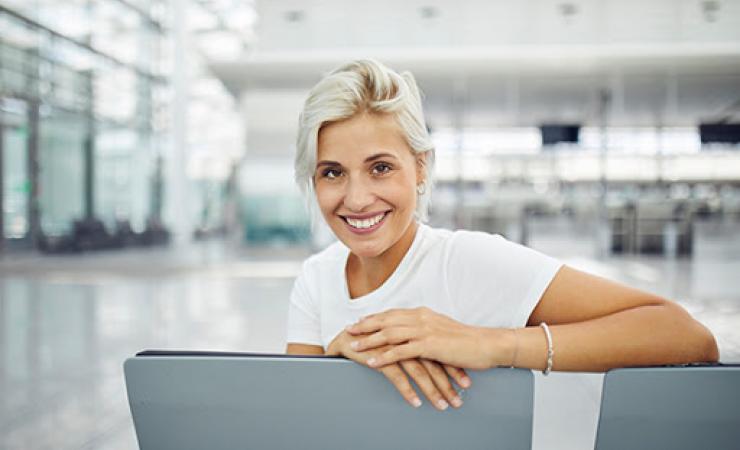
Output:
(146, 184)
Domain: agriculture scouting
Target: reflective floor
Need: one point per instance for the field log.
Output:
(68, 323)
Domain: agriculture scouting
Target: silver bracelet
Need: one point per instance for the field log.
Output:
(550, 351)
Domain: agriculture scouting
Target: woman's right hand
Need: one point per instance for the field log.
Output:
(431, 377)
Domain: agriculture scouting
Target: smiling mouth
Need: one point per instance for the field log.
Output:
(365, 224)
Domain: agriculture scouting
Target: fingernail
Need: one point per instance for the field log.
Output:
(371, 362)
(465, 382)
(441, 404)
(457, 402)
(416, 402)
(354, 344)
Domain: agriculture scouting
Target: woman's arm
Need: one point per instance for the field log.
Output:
(304, 349)
(596, 325)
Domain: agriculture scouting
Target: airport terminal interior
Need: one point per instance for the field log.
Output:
(147, 198)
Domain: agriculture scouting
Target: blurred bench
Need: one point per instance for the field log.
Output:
(687, 407)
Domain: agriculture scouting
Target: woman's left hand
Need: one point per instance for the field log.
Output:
(423, 333)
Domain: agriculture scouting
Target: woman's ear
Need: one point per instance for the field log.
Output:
(421, 164)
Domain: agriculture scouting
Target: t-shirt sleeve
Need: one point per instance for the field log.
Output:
(304, 326)
(495, 282)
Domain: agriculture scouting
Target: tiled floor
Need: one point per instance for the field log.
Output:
(68, 323)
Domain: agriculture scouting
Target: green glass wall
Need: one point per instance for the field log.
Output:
(62, 138)
(16, 181)
(123, 175)
(92, 71)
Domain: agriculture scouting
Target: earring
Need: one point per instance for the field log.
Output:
(421, 188)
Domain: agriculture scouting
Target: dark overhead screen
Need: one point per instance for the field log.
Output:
(719, 133)
(555, 134)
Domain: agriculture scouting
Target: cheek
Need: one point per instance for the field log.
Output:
(327, 199)
(410, 200)
(404, 192)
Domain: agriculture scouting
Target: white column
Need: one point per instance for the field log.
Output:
(178, 216)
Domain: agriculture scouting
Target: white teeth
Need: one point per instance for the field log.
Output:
(366, 223)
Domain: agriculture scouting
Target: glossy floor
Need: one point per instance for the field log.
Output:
(67, 324)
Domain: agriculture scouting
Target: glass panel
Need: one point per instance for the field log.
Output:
(61, 178)
(113, 148)
(115, 94)
(16, 182)
(142, 177)
(211, 211)
(275, 218)
(123, 174)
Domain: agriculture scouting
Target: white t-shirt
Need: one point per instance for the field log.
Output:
(474, 277)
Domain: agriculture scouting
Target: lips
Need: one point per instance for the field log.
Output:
(366, 223)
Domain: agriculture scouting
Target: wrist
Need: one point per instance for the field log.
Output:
(499, 346)
(333, 348)
(515, 351)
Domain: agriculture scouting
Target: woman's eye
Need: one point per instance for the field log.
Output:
(381, 168)
(330, 173)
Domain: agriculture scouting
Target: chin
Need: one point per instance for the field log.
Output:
(365, 251)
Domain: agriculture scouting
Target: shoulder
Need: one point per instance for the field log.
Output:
(319, 270)
(466, 248)
(467, 237)
(327, 259)
(476, 250)
(448, 243)
(465, 242)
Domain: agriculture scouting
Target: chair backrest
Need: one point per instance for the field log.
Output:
(687, 407)
(196, 400)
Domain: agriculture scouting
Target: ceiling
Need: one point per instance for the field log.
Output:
(496, 63)
(489, 89)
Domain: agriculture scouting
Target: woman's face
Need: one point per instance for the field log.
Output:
(365, 181)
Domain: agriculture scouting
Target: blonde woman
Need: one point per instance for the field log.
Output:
(415, 302)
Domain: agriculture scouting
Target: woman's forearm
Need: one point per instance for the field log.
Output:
(641, 336)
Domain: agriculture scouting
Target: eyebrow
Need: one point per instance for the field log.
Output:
(368, 159)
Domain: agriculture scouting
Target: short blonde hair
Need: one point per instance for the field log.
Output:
(363, 86)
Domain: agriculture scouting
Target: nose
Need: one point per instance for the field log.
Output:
(358, 195)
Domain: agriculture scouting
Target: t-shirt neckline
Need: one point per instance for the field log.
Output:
(390, 282)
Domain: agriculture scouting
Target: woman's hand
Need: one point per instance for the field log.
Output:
(431, 377)
(423, 333)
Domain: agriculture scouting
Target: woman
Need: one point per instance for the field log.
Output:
(413, 301)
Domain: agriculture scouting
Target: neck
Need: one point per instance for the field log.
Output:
(371, 272)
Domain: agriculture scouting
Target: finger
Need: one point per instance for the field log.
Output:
(387, 312)
(386, 336)
(410, 350)
(391, 313)
(371, 324)
(459, 375)
(400, 380)
(442, 381)
(423, 379)
(365, 326)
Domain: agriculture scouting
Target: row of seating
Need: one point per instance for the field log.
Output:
(92, 234)
(195, 400)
